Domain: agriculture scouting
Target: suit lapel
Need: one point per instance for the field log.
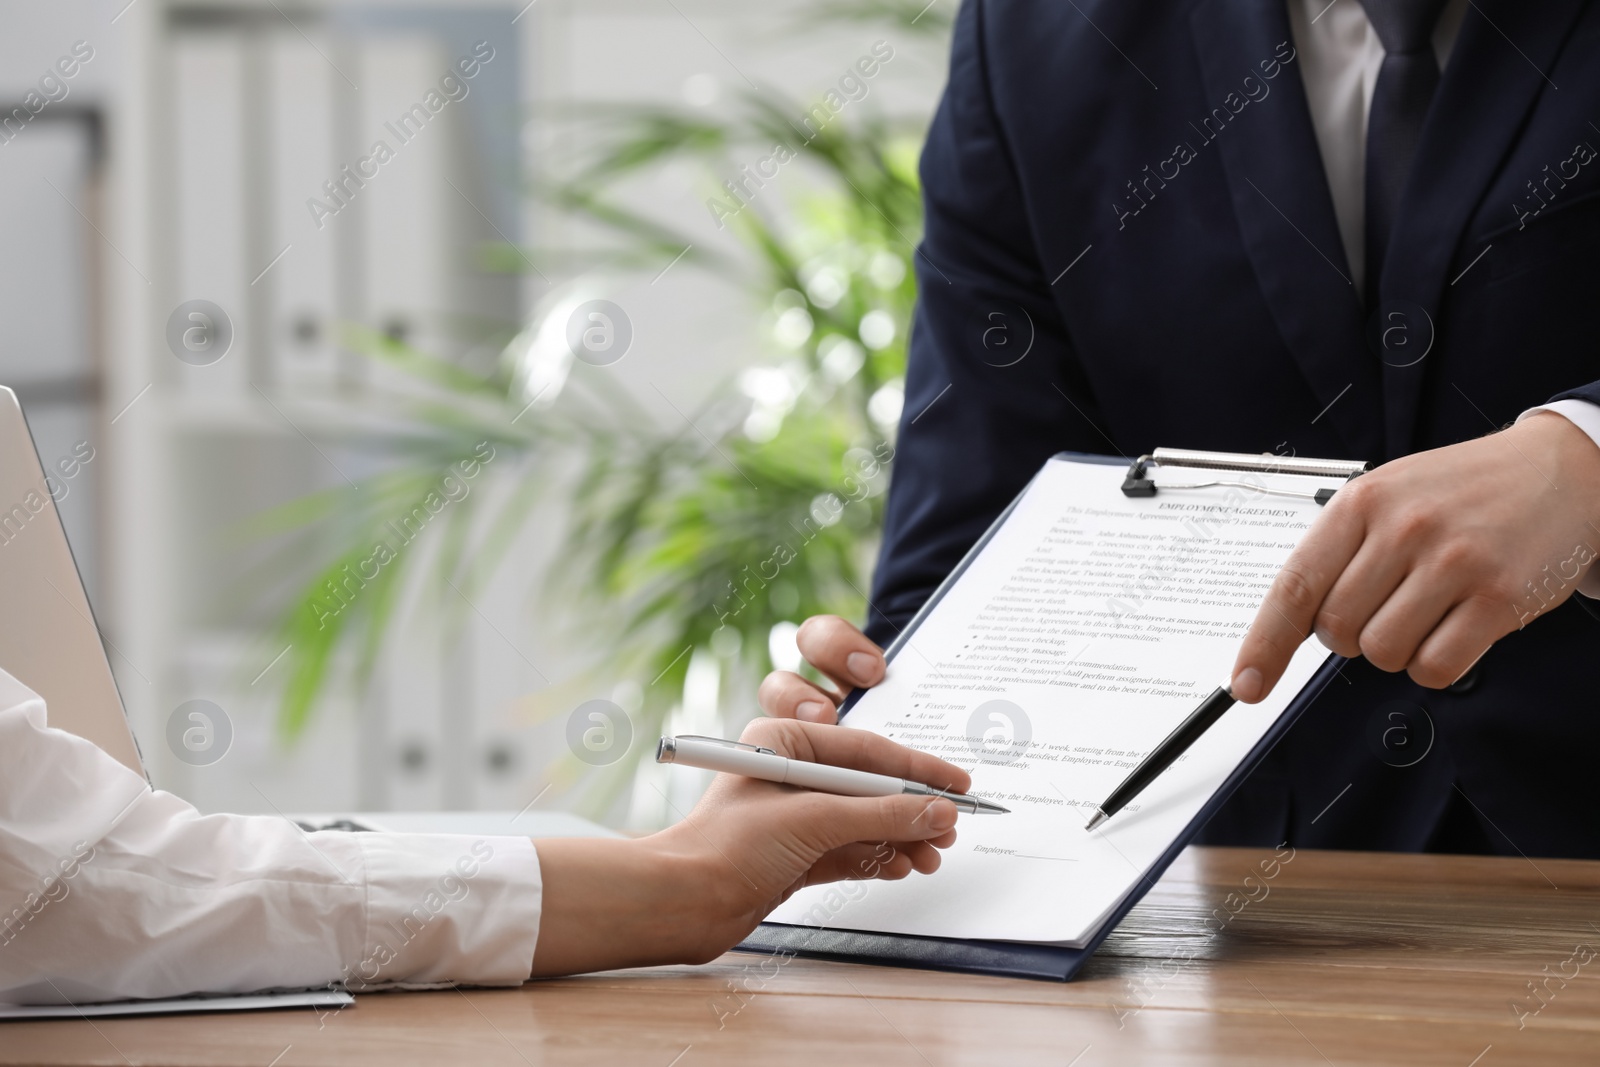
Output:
(1280, 197)
(1496, 71)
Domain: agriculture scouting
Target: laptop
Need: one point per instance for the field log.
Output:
(50, 642)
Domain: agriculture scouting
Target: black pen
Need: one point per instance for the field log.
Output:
(1176, 744)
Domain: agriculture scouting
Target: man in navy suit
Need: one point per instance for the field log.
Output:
(1363, 229)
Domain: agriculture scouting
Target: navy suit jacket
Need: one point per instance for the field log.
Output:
(1130, 243)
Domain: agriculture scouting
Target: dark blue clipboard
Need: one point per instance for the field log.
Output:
(1006, 958)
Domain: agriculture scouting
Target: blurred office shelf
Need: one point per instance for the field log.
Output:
(288, 413)
(222, 120)
(392, 733)
(240, 144)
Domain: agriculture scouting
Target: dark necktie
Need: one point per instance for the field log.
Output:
(1406, 83)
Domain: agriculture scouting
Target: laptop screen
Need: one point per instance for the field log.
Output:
(48, 637)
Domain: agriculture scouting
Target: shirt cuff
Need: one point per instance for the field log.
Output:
(447, 909)
(1586, 417)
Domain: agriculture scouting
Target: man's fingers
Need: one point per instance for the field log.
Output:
(1281, 625)
(1357, 594)
(1460, 641)
(786, 695)
(1391, 637)
(860, 749)
(1286, 615)
(840, 651)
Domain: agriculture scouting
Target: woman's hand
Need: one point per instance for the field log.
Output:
(842, 653)
(696, 889)
(1423, 564)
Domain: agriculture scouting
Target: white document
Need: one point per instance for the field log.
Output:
(321, 998)
(1088, 627)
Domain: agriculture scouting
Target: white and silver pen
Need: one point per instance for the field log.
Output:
(753, 761)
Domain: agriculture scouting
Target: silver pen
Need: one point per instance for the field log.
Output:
(753, 761)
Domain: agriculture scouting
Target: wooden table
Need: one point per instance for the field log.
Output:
(1338, 958)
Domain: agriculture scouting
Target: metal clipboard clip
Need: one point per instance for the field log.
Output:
(1139, 483)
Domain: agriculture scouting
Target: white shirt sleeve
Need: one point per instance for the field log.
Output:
(1586, 417)
(112, 890)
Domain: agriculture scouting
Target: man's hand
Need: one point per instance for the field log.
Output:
(1424, 563)
(696, 889)
(841, 652)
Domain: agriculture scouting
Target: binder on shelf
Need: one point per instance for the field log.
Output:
(210, 131)
(303, 285)
(1169, 475)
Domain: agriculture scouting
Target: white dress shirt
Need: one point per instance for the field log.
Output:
(1340, 55)
(112, 890)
